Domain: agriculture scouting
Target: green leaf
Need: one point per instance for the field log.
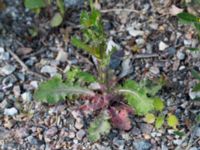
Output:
(34, 4)
(187, 17)
(61, 6)
(149, 118)
(172, 121)
(197, 26)
(194, 49)
(100, 126)
(54, 90)
(159, 121)
(56, 20)
(137, 98)
(91, 50)
(158, 104)
(77, 74)
(195, 74)
(196, 88)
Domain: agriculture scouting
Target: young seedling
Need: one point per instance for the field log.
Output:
(111, 103)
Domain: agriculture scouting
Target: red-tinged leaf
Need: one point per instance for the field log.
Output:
(120, 119)
(97, 102)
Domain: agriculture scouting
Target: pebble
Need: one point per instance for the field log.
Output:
(9, 81)
(146, 128)
(155, 70)
(80, 134)
(126, 68)
(26, 96)
(197, 131)
(180, 55)
(193, 95)
(110, 45)
(71, 135)
(142, 145)
(32, 140)
(95, 86)
(119, 143)
(51, 132)
(162, 46)
(52, 71)
(22, 133)
(7, 69)
(62, 56)
(2, 50)
(1, 96)
(79, 124)
(10, 111)
(34, 84)
(73, 3)
(4, 56)
(16, 91)
(135, 33)
(170, 52)
(140, 42)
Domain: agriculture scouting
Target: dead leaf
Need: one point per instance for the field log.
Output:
(175, 10)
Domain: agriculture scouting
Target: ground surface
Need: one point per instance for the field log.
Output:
(148, 26)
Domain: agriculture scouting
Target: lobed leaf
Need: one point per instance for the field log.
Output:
(56, 20)
(159, 121)
(158, 104)
(149, 118)
(54, 90)
(172, 121)
(34, 4)
(187, 17)
(137, 98)
(100, 126)
(195, 74)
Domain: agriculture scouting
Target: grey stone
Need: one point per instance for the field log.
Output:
(155, 70)
(142, 145)
(32, 140)
(51, 132)
(193, 95)
(180, 55)
(26, 96)
(16, 91)
(9, 81)
(119, 143)
(162, 46)
(73, 3)
(146, 128)
(80, 134)
(197, 131)
(126, 68)
(79, 124)
(20, 76)
(4, 56)
(10, 111)
(8, 69)
(1, 96)
(49, 69)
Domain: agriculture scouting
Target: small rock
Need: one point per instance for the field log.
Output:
(17, 91)
(194, 95)
(135, 131)
(52, 71)
(180, 55)
(116, 59)
(76, 114)
(95, 86)
(9, 81)
(142, 145)
(71, 135)
(140, 42)
(22, 133)
(7, 69)
(73, 3)
(26, 96)
(32, 140)
(10, 111)
(170, 52)
(193, 148)
(62, 56)
(51, 132)
(4, 56)
(80, 134)
(154, 70)
(197, 131)
(34, 84)
(79, 124)
(146, 128)
(135, 33)
(162, 46)
(126, 68)
(2, 50)
(119, 143)
(1, 96)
